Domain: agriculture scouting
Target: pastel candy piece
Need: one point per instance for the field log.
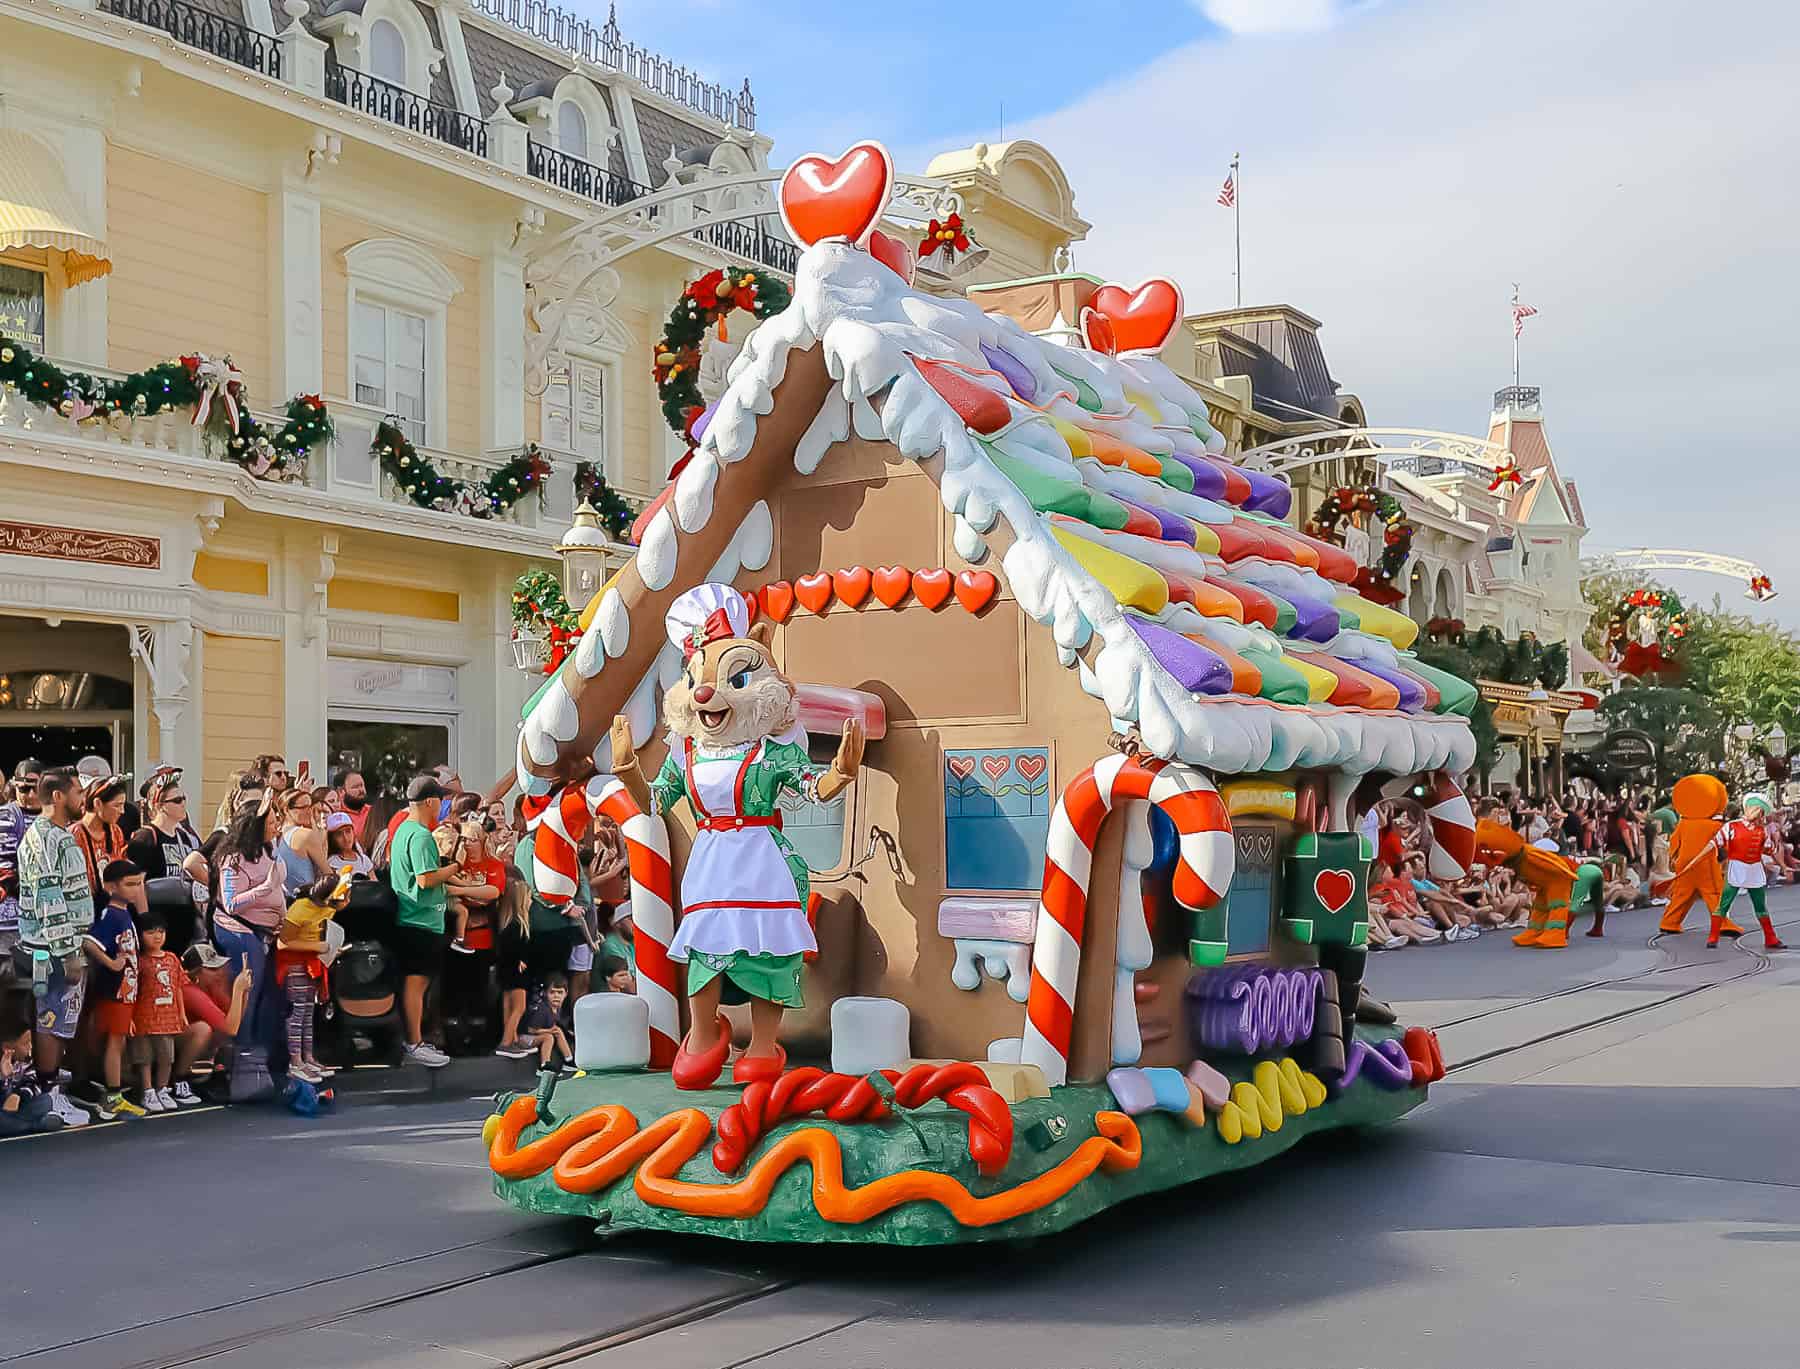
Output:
(1141, 521)
(1249, 1117)
(1015, 371)
(1171, 527)
(1209, 480)
(1354, 1059)
(1268, 494)
(1432, 697)
(1130, 582)
(1237, 488)
(1195, 1112)
(1412, 693)
(1379, 621)
(1214, 1087)
(1175, 475)
(976, 405)
(1197, 668)
(1169, 1088)
(1281, 683)
(1277, 1093)
(1076, 438)
(1319, 683)
(1455, 695)
(1132, 1091)
(1245, 677)
(1314, 620)
(1334, 562)
(1257, 605)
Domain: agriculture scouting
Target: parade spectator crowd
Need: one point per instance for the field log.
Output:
(151, 962)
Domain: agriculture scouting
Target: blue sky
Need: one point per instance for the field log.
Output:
(912, 73)
(1404, 162)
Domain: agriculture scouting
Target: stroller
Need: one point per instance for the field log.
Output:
(365, 985)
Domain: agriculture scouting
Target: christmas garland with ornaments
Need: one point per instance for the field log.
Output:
(704, 304)
(540, 609)
(1397, 529)
(430, 488)
(616, 514)
(212, 387)
(1660, 608)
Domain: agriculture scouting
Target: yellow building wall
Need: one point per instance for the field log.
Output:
(190, 267)
(241, 710)
(462, 328)
(231, 574)
(406, 601)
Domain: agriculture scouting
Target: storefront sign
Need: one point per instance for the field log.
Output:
(1628, 749)
(81, 544)
(391, 685)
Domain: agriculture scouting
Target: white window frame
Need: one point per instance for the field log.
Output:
(390, 313)
(395, 274)
(404, 76)
(349, 35)
(611, 424)
(579, 91)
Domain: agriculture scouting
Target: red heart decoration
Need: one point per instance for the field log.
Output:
(777, 600)
(892, 584)
(1141, 319)
(822, 199)
(1030, 767)
(851, 584)
(1099, 331)
(974, 588)
(1334, 888)
(893, 254)
(996, 766)
(814, 591)
(931, 587)
(961, 766)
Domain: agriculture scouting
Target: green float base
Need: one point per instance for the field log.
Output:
(931, 1138)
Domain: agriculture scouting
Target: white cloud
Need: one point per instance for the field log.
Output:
(1274, 16)
(1628, 169)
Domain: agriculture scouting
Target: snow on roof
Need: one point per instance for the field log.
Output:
(1226, 638)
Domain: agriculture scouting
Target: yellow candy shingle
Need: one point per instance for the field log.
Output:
(1131, 582)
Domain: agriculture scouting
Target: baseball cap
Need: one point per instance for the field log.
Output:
(202, 956)
(333, 821)
(31, 765)
(425, 787)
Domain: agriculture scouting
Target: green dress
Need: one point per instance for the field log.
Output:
(745, 888)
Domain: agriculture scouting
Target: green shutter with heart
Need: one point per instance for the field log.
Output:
(1326, 898)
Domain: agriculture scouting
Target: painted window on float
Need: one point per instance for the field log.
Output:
(996, 817)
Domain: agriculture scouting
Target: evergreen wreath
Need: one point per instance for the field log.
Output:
(540, 609)
(179, 383)
(703, 304)
(616, 513)
(1397, 529)
(429, 488)
(1665, 610)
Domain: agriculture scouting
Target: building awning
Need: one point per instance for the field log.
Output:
(37, 209)
(1584, 662)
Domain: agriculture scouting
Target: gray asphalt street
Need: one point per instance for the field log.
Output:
(1609, 1177)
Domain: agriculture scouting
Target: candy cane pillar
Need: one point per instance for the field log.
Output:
(1202, 876)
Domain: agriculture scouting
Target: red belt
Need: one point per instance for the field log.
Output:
(711, 824)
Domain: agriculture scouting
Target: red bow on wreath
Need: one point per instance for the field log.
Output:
(705, 291)
(946, 236)
(560, 640)
(1506, 473)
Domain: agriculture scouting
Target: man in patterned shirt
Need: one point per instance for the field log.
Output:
(56, 907)
(15, 817)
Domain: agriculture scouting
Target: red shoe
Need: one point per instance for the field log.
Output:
(1776, 945)
(702, 1071)
(755, 1069)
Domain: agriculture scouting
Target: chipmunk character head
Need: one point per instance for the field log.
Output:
(729, 692)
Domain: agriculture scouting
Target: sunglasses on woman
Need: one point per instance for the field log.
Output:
(174, 798)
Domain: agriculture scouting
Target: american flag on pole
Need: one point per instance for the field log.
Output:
(1521, 312)
(1228, 191)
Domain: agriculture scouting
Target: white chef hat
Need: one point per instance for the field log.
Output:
(705, 614)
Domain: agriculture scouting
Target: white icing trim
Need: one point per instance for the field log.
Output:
(659, 551)
(613, 622)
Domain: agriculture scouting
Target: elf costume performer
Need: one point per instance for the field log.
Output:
(1745, 842)
(1699, 803)
(735, 745)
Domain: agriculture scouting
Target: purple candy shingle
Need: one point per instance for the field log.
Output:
(1017, 374)
(1193, 666)
(1268, 494)
(1412, 693)
(1174, 527)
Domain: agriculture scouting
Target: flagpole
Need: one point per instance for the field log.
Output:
(1237, 219)
(1516, 331)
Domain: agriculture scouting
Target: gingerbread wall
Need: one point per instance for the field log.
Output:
(949, 679)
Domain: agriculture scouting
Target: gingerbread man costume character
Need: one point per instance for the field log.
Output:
(1699, 804)
(735, 745)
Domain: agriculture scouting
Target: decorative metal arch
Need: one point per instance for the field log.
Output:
(703, 207)
(1698, 562)
(1421, 451)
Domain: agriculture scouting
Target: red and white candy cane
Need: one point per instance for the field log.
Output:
(1202, 876)
(1452, 829)
(559, 820)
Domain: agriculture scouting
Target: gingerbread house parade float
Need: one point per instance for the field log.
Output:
(989, 754)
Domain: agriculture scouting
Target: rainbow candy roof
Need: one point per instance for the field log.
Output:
(1226, 638)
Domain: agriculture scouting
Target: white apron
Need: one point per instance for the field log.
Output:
(737, 892)
(1745, 875)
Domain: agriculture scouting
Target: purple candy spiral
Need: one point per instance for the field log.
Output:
(1248, 1009)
